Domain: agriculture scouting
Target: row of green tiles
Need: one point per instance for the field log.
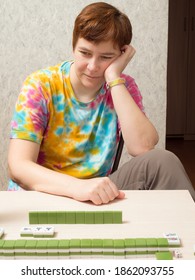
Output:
(162, 255)
(75, 217)
(85, 243)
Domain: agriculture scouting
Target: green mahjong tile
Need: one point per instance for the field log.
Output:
(75, 243)
(53, 244)
(53, 247)
(96, 253)
(119, 254)
(89, 217)
(130, 253)
(85, 253)
(119, 247)
(31, 254)
(142, 252)
(108, 243)
(42, 254)
(99, 217)
(8, 248)
(117, 217)
(30, 247)
(86, 243)
(8, 244)
(97, 243)
(130, 243)
(20, 254)
(33, 218)
(70, 217)
(164, 255)
(60, 217)
(151, 242)
(152, 245)
(1, 243)
(30, 244)
(42, 217)
(80, 217)
(8, 254)
(108, 217)
(140, 243)
(53, 254)
(76, 254)
(41, 248)
(41, 244)
(162, 242)
(108, 253)
(141, 246)
(64, 254)
(119, 243)
(64, 244)
(20, 244)
(52, 217)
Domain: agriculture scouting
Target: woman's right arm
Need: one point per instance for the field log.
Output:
(24, 170)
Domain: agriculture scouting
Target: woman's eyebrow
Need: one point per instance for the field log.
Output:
(108, 53)
(88, 50)
(83, 48)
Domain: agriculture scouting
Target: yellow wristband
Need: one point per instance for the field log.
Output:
(116, 82)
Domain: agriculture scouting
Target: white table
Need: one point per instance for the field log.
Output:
(145, 214)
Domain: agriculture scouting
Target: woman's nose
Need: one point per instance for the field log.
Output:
(93, 65)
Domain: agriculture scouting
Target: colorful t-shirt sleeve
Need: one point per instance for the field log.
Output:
(134, 91)
(31, 114)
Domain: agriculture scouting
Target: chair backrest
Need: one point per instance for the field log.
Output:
(118, 154)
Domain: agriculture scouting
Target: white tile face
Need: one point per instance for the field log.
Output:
(49, 231)
(43, 230)
(172, 238)
(26, 231)
(38, 231)
(177, 253)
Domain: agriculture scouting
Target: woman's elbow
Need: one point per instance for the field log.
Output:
(141, 148)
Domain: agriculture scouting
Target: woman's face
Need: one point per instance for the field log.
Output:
(91, 60)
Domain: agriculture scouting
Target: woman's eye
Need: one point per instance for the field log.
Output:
(85, 53)
(106, 57)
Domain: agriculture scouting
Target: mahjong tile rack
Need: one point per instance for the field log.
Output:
(146, 225)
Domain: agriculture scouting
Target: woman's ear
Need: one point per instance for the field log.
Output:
(123, 50)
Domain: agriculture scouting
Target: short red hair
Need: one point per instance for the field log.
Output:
(101, 21)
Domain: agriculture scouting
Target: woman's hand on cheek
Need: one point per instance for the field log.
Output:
(115, 69)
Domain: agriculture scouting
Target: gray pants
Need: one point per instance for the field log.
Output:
(154, 170)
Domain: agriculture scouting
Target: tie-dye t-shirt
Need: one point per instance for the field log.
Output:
(76, 138)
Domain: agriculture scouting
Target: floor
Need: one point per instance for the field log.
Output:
(185, 150)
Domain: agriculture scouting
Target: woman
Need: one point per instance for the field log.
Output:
(67, 120)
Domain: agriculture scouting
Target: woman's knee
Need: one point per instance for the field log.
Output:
(163, 156)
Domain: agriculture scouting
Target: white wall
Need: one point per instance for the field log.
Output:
(35, 34)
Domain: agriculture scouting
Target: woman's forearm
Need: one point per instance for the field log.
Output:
(31, 176)
(138, 132)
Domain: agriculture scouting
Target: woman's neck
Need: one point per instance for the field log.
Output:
(82, 93)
